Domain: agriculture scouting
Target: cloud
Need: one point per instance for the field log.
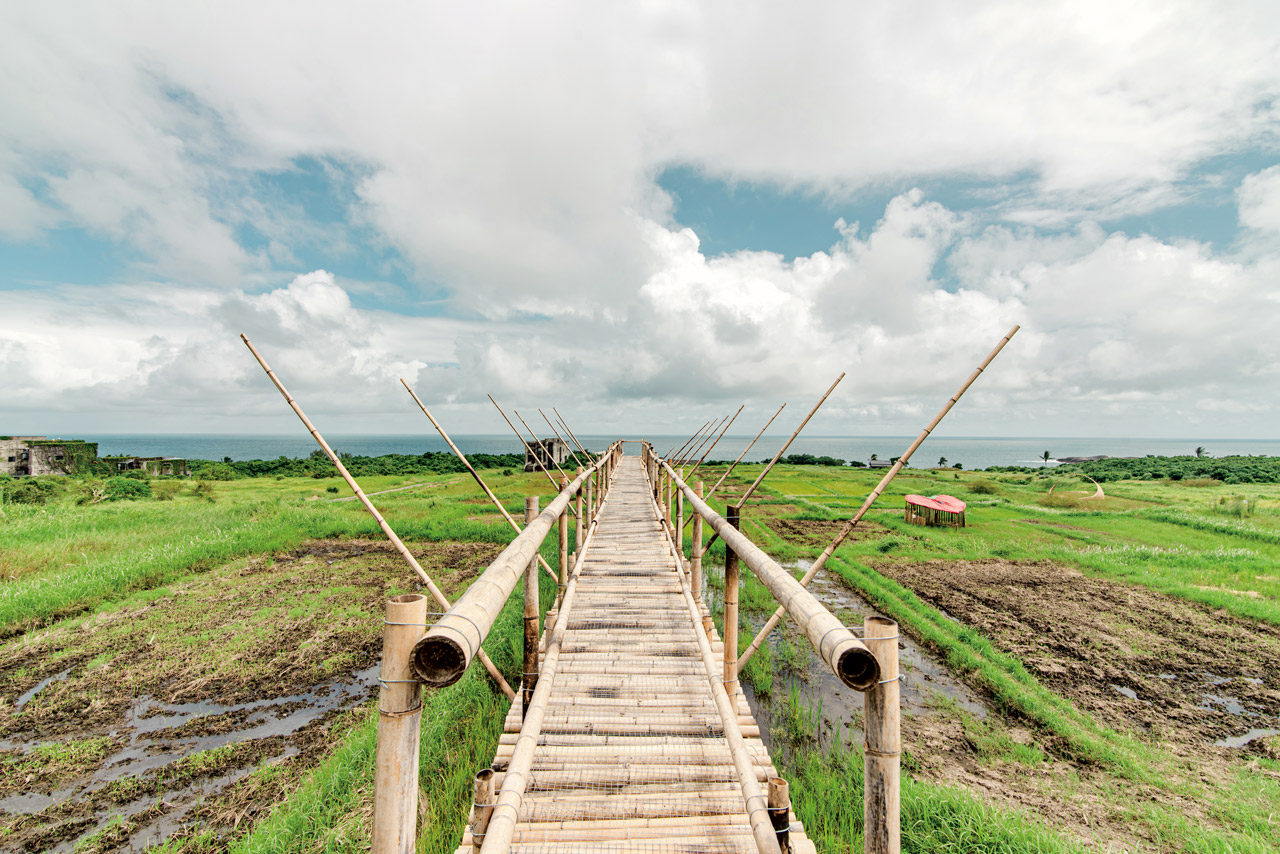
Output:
(1258, 200)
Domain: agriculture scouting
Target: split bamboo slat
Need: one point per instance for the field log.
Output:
(625, 746)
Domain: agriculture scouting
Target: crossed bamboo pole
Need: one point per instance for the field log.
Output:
(561, 438)
(734, 465)
(689, 442)
(529, 448)
(713, 444)
(702, 443)
(787, 444)
(436, 593)
(565, 425)
(475, 474)
(871, 499)
(534, 436)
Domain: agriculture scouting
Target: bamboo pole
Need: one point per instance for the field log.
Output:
(436, 592)
(734, 465)
(578, 532)
(743, 500)
(572, 452)
(446, 650)
(779, 812)
(731, 583)
(534, 435)
(506, 810)
(481, 807)
(695, 553)
(527, 447)
(531, 602)
(565, 425)
(564, 540)
(668, 455)
(848, 527)
(882, 806)
(493, 499)
(395, 786)
(713, 444)
(700, 444)
(678, 529)
(847, 657)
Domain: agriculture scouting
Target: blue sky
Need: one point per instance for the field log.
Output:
(614, 210)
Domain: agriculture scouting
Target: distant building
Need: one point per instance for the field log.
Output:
(153, 466)
(22, 456)
(880, 464)
(545, 454)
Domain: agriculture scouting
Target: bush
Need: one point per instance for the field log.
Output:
(125, 489)
(332, 489)
(165, 490)
(202, 489)
(30, 490)
(983, 487)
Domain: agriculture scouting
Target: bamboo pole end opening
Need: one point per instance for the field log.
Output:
(857, 667)
(406, 599)
(438, 661)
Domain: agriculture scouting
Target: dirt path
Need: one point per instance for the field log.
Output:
(156, 712)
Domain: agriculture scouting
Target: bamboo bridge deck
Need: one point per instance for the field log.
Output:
(631, 754)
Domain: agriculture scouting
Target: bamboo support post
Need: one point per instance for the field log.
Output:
(743, 500)
(591, 504)
(578, 532)
(395, 800)
(678, 530)
(699, 445)
(731, 583)
(780, 812)
(481, 807)
(695, 553)
(848, 527)
(839, 649)
(531, 602)
(882, 808)
(493, 499)
(446, 650)
(436, 592)
(564, 540)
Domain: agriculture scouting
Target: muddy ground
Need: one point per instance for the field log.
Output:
(813, 532)
(121, 728)
(1136, 659)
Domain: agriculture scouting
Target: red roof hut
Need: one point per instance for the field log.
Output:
(938, 510)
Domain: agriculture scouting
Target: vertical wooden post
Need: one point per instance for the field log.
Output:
(780, 811)
(591, 504)
(695, 553)
(395, 786)
(882, 809)
(679, 531)
(481, 808)
(578, 525)
(530, 672)
(731, 609)
(564, 539)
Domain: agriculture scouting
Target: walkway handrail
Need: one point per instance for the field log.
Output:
(842, 651)
(445, 651)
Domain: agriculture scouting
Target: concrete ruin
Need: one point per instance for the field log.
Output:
(24, 456)
(545, 454)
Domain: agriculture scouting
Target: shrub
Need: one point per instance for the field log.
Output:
(983, 487)
(30, 490)
(165, 490)
(125, 489)
(218, 471)
(332, 489)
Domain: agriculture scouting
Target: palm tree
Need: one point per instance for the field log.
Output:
(1200, 451)
(942, 462)
(875, 457)
(1046, 459)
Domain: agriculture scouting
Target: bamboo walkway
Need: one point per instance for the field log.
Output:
(632, 755)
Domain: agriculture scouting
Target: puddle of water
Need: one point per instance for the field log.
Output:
(1230, 704)
(1128, 692)
(40, 686)
(152, 745)
(837, 709)
(1250, 736)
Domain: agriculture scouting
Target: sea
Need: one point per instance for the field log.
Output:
(971, 452)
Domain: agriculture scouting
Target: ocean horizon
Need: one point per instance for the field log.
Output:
(969, 451)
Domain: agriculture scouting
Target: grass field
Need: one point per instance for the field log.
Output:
(1046, 605)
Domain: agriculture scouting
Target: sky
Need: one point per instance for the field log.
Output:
(645, 214)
